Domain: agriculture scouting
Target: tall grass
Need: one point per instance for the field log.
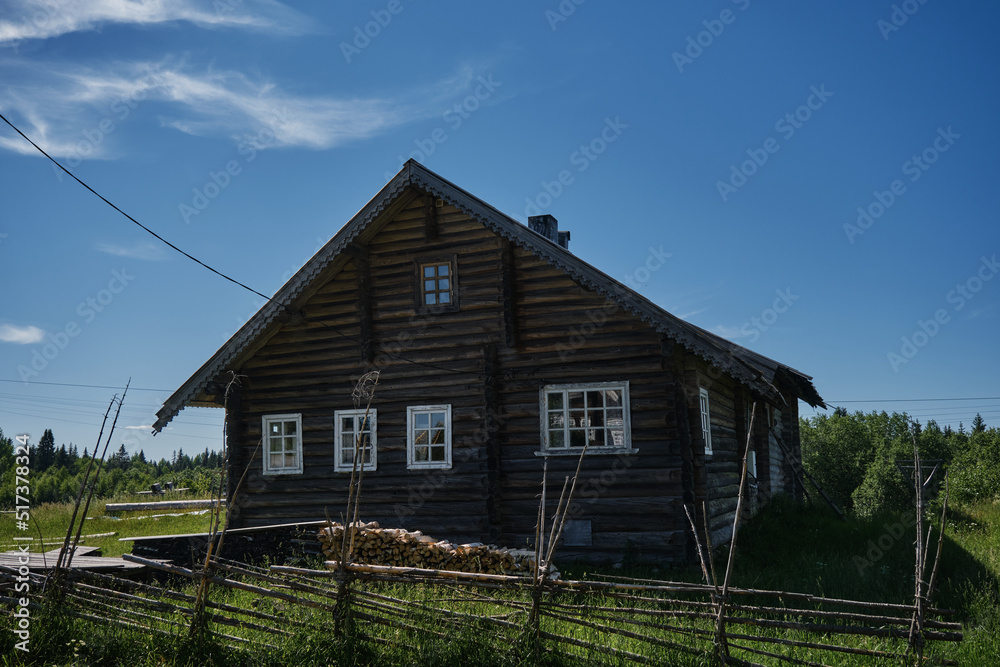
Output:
(786, 547)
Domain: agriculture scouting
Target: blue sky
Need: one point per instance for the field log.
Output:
(821, 176)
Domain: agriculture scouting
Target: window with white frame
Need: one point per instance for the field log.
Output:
(576, 415)
(706, 421)
(428, 436)
(355, 435)
(282, 444)
(751, 452)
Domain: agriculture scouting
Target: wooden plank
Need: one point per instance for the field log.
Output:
(161, 505)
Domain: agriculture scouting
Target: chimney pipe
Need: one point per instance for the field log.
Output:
(548, 226)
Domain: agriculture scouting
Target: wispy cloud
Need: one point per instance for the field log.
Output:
(28, 335)
(145, 251)
(46, 19)
(729, 333)
(58, 105)
(141, 427)
(692, 313)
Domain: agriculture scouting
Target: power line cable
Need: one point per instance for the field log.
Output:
(195, 259)
(147, 229)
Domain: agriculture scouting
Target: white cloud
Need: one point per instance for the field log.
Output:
(61, 107)
(141, 427)
(46, 19)
(21, 335)
(146, 251)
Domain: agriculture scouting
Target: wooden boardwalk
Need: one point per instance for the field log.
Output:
(85, 558)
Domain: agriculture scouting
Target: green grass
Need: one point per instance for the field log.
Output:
(787, 547)
(50, 521)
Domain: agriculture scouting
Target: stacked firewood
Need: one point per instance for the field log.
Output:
(402, 548)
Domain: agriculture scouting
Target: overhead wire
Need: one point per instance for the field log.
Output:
(198, 261)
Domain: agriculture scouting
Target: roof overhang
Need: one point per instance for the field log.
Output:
(206, 387)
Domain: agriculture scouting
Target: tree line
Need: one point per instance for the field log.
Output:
(56, 473)
(861, 459)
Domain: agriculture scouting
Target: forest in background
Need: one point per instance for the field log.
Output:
(57, 473)
(854, 457)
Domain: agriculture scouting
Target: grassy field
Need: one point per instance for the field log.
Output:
(786, 548)
(49, 523)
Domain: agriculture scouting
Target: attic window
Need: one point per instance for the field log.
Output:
(436, 284)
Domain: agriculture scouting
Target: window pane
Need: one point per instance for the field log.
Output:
(577, 437)
(276, 460)
(422, 419)
(438, 436)
(429, 285)
(557, 439)
(437, 419)
(289, 428)
(595, 399)
(443, 269)
(597, 437)
(444, 297)
(576, 399)
(437, 454)
(420, 454)
(555, 400)
(274, 446)
(428, 271)
(346, 424)
(595, 417)
(443, 283)
(556, 420)
(576, 418)
(430, 298)
(617, 437)
(614, 417)
(275, 428)
(289, 460)
(613, 398)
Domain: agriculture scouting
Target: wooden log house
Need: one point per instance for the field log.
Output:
(498, 350)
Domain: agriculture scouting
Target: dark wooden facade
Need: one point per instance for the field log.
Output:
(525, 314)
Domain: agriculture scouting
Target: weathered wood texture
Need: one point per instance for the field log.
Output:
(521, 324)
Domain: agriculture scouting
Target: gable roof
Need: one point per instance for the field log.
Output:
(755, 371)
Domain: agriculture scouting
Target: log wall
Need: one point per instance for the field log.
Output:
(521, 324)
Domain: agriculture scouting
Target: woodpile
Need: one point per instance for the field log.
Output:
(402, 548)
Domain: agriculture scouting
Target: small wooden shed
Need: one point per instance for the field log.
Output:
(498, 350)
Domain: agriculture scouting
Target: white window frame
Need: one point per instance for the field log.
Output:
(705, 407)
(568, 450)
(338, 436)
(266, 421)
(752, 454)
(411, 454)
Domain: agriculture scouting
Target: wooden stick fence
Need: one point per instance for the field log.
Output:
(635, 620)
